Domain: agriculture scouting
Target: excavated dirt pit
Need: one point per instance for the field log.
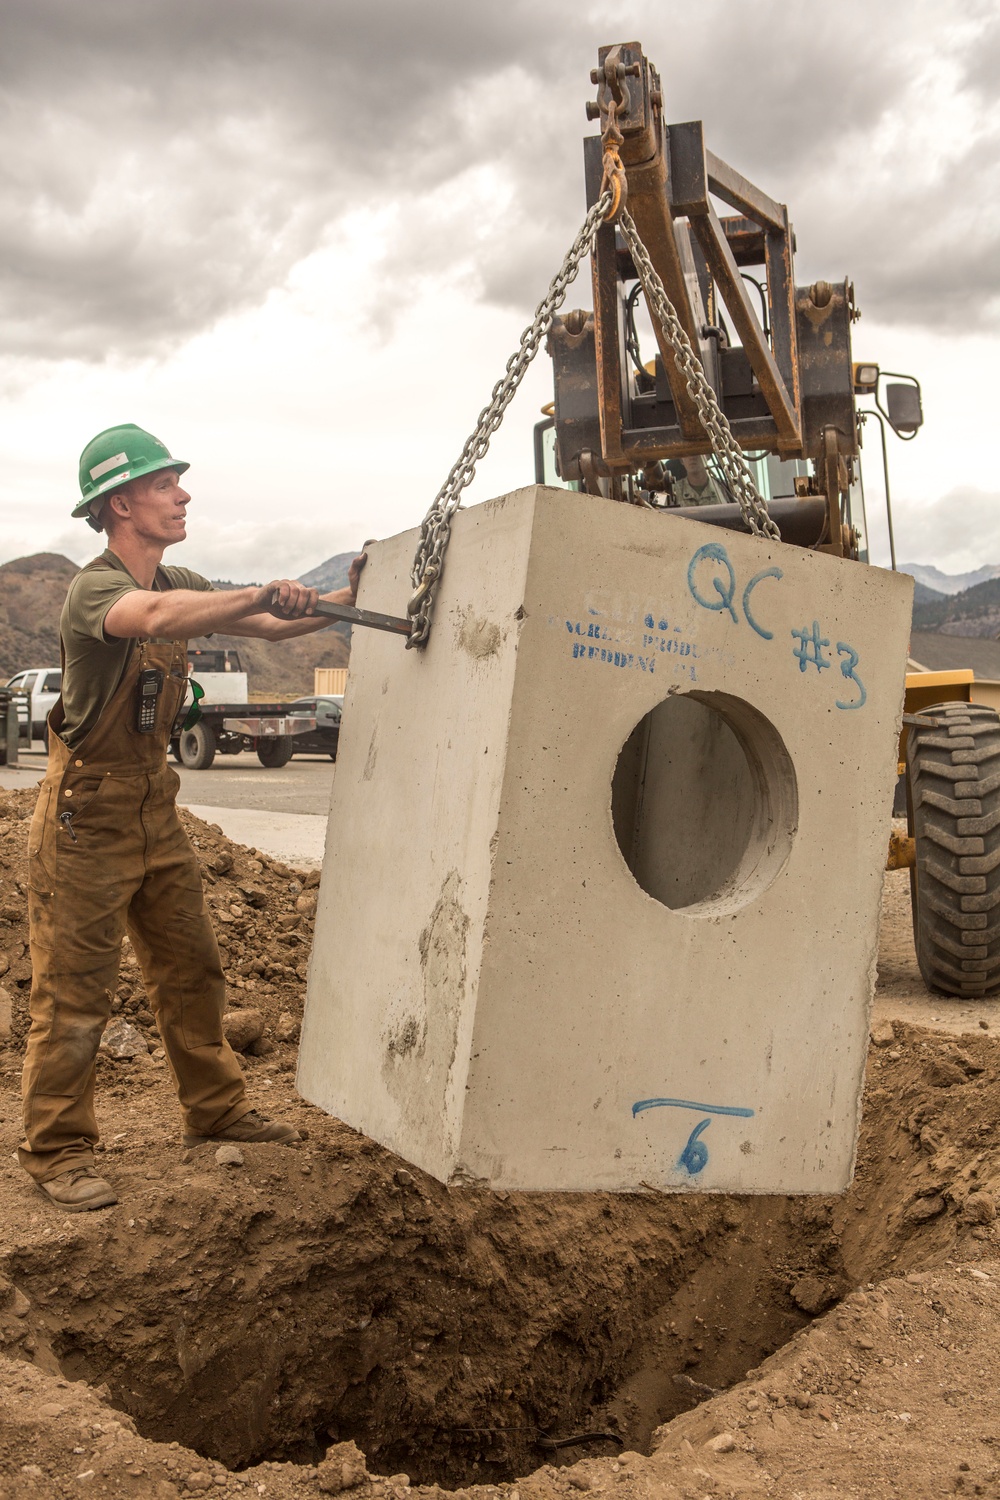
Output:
(258, 1313)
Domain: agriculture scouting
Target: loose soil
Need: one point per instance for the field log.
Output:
(235, 1329)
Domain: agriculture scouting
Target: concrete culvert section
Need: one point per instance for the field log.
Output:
(704, 802)
(543, 1012)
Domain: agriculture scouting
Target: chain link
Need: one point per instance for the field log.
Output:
(738, 474)
(435, 529)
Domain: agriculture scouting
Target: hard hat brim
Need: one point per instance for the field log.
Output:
(82, 507)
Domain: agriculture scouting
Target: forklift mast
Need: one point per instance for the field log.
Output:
(777, 355)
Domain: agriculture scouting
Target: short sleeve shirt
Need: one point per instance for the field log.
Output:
(94, 662)
(686, 494)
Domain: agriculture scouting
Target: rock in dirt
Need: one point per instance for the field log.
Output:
(723, 1442)
(926, 1208)
(814, 1294)
(229, 1155)
(342, 1469)
(979, 1208)
(197, 1480)
(945, 1074)
(122, 1040)
(242, 1028)
(287, 1028)
(6, 1012)
(882, 1034)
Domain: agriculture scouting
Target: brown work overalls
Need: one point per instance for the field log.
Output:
(106, 852)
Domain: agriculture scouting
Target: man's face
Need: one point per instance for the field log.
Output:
(154, 508)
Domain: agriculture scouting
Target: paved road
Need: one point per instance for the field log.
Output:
(282, 812)
(303, 786)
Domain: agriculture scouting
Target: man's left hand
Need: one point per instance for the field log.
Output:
(354, 573)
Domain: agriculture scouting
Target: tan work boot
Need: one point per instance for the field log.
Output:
(251, 1127)
(78, 1190)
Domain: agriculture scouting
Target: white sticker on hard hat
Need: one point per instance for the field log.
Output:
(109, 463)
(115, 479)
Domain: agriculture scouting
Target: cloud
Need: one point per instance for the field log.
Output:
(959, 532)
(169, 163)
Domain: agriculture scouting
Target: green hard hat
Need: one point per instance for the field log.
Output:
(117, 455)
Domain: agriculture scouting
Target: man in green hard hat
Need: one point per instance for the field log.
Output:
(107, 853)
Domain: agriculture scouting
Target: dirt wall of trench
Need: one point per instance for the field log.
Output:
(254, 1315)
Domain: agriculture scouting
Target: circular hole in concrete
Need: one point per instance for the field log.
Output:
(704, 802)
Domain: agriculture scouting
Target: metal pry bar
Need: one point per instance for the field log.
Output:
(354, 616)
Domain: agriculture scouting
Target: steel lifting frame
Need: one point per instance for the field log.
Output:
(787, 390)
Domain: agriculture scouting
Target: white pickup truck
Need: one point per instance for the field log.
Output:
(42, 683)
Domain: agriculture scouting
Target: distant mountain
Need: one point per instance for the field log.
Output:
(331, 574)
(32, 590)
(922, 594)
(973, 612)
(949, 583)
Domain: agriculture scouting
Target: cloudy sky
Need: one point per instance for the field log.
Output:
(297, 239)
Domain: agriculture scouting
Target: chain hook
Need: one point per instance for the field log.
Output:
(613, 180)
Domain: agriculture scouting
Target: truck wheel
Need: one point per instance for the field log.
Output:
(276, 751)
(196, 747)
(953, 811)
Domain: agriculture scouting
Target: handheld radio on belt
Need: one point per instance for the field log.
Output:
(149, 689)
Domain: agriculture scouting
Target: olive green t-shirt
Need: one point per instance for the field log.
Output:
(95, 662)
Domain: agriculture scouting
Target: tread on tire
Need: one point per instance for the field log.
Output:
(953, 811)
(196, 747)
(276, 751)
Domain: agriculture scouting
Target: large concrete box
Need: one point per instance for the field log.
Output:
(600, 900)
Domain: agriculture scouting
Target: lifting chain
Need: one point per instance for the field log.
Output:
(435, 529)
(737, 472)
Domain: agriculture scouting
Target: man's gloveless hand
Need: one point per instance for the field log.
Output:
(287, 599)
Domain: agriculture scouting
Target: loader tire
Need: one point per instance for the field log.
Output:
(953, 810)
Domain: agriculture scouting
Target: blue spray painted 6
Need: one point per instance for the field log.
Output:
(694, 1158)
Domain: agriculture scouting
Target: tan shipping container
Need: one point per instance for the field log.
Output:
(329, 680)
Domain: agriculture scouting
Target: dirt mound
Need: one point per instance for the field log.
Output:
(225, 1325)
(262, 909)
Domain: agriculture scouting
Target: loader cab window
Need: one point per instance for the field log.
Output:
(545, 457)
(780, 475)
